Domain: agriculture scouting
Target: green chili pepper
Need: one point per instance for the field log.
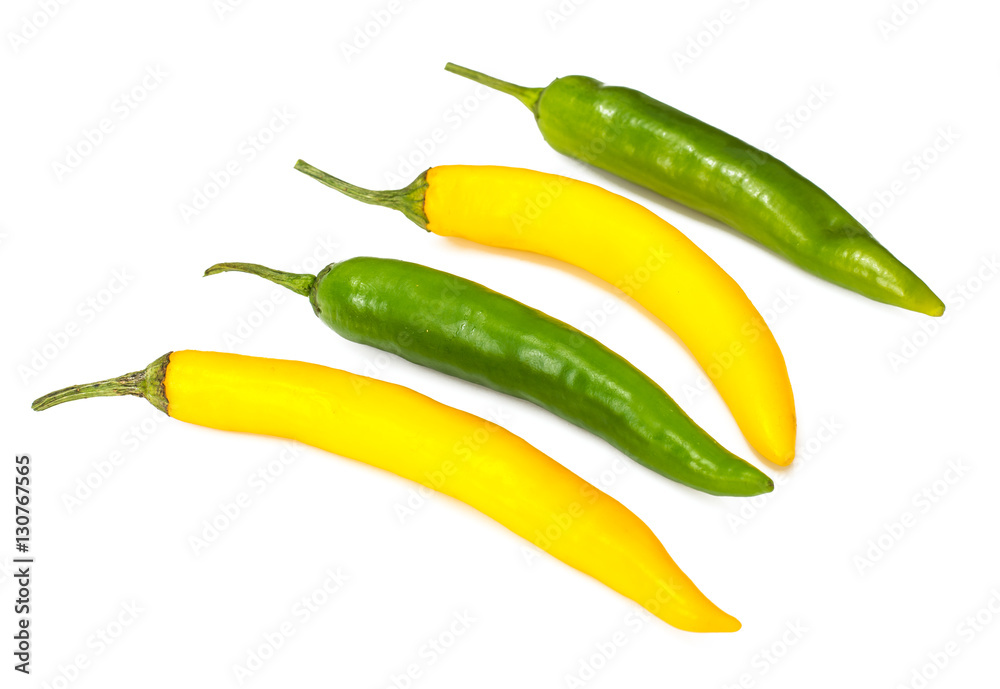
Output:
(650, 143)
(461, 328)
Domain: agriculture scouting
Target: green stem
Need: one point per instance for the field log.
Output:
(297, 282)
(409, 200)
(147, 383)
(528, 96)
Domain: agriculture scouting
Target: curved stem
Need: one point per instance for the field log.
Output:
(300, 283)
(409, 201)
(147, 383)
(112, 387)
(528, 96)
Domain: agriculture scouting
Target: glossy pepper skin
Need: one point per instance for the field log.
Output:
(653, 144)
(396, 429)
(627, 246)
(461, 328)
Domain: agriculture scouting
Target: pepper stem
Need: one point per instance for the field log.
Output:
(528, 96)
(147, 383)
(409, 201)
(297, 282)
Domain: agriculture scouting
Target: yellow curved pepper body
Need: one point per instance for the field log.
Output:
(632, 248)
(406, 433)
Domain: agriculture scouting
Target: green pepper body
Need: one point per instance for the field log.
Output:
(461, 328)
(659, 147)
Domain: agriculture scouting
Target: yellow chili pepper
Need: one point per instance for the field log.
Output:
(628, 246)
(406, 433)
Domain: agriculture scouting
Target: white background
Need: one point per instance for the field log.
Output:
(904, 404)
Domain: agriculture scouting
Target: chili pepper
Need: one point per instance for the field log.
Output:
(661, 148)
(401, 431)
(461, 328)
(628, 246)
